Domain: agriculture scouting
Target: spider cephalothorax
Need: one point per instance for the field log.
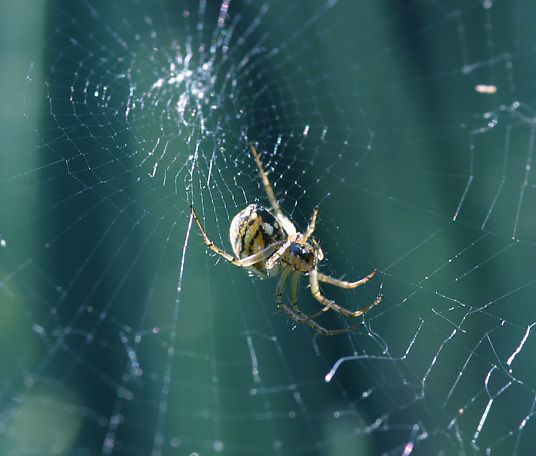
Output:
(267, 243)
(302, 256)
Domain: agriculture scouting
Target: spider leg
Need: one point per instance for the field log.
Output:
(312, 225)
(294, 292)
(299, 317)
(288, 226)
(279, 253)
(294, 289)
(296, 314)
(329, 304)
(267, 186)
(240, 262)
(285, 272)
(343, 283)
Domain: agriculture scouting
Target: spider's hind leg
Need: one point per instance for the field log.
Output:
(299, 317)
(330, 304)
(294, 312)
(285, 272)
(343, 283)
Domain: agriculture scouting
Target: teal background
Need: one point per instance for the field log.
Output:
(121, 335)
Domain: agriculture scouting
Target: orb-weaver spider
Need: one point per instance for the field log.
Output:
(268, 243)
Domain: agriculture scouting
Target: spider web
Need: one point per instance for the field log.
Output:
(409, 124)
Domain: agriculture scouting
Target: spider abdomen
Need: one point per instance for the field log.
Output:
(252, 230)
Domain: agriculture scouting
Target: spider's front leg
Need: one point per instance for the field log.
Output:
(312, 225)
(272, 261)
(288, 226)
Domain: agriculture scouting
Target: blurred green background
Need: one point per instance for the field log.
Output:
(120, 335)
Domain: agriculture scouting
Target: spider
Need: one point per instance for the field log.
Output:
(267, 243)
